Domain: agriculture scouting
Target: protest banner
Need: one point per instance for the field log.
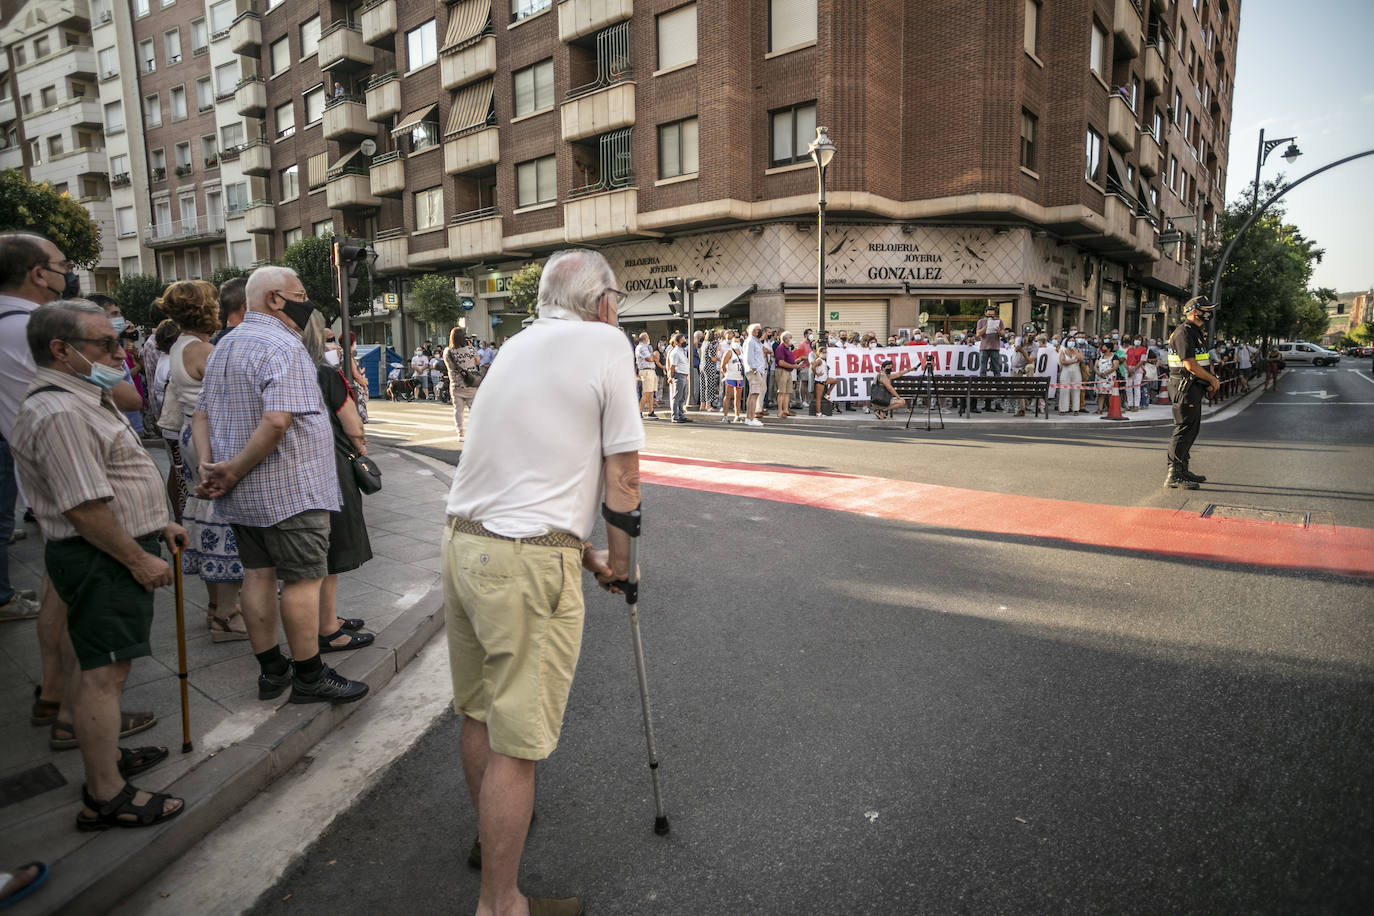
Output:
(854, 368)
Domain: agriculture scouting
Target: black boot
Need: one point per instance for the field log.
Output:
(1174, 480)
(1189, 475)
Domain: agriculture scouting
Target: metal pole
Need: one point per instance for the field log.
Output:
(344, 332)
(820, 253)
(1259, 162)
(695, 352)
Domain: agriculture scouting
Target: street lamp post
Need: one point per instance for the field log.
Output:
(1174, 239)
(1290, 155)
(822, 151)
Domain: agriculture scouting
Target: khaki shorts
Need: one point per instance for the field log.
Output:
(514, 616)
(756, 383)
(649, 379)
(782, 382)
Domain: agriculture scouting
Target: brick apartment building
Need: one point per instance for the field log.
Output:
(1027, 153)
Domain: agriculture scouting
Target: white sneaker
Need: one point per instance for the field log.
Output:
(18, 608)
(753, 422)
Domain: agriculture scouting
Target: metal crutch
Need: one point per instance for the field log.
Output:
(181, 646)
(631, 523)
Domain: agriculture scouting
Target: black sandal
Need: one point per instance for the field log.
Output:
(351, 623)
(355, 641)
(133, 761)
(117, 811)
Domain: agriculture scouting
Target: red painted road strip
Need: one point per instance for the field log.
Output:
(1322, 548)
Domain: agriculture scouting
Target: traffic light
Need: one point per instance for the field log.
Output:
(347, 257)
(693, 285)
(676, 286)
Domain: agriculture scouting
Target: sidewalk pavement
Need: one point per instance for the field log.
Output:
(240, 743)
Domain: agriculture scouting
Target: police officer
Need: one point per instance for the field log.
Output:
(1189, 372)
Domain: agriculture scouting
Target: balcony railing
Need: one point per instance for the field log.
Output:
(120, 180)
(612, 60)
(158, 173)
(615, 165)
(182, 231)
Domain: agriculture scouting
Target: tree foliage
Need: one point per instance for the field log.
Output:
(1265, 285)
(434, 301)
(225, 273)
(36, 207)
(135, 295)
(524, 288)
(313, 261)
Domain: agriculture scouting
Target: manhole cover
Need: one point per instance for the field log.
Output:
(1259, 514)
(20, 786)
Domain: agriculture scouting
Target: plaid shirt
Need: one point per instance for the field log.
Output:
(263, 367)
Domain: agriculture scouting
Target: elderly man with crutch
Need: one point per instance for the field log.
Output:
(543, 458)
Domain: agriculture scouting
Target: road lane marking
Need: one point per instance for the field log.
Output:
(1327, 548)
(1363, 376)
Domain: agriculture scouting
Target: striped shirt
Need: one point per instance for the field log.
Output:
(263, 367)
(73, 446)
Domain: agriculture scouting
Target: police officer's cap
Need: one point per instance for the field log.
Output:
(1200, 303)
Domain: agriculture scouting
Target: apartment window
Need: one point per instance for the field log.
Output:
(214, 217)
(286, 120)
(169, 267)
(236, 198)
(20, 58)
(226, 78)
(1032, 36)
(310, 36)
(280, 55)
(536, 182)
(55, 147)
(124, 222)
(421, 49)
(183, 154)
(1094, 160)
(317, 170)
(221, 16)
(152, 110)
(107, 59)
(178, 97)
(193, 265)
(1173, 173)
(1182, 184)
(119, 164)
(291, 236)
(128, 266)
(209, 153)
(534, 88)
(147, 56)
(522, 9)
(1157, 125)
(231, 135)
(791, 23)
(241, 253)
(200, 38)
(205, 94)
(114, 117)
(171, 46)
(290, 183)
(429, 208)
(677, 149)
(35, 152)
(322, 229)
(1097, 50)
(1154, 197)
(677, 37)
(41, 47)
(273, 4)
(314, 104)
(47, 96)
(1028, 125)
(157, 161)
(792, 129)
(186, 206)
(1178, 106)
(26, 103)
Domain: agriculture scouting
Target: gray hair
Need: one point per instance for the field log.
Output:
(312, 335)
(785, 335)
(575, 279)
(60, 320)
(263, 281)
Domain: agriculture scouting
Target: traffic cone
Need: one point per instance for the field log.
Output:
(1114, 406)
(1163, 396)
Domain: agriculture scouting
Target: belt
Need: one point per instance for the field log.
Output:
(552, 539)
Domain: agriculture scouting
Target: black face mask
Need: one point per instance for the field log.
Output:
(72, 289)
(298, 312)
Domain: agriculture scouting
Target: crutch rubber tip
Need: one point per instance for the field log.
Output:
(661, 826)
(186, 747)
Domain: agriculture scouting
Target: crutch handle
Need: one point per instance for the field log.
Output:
(629, 522)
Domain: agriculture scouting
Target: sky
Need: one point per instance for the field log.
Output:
(1302, 70)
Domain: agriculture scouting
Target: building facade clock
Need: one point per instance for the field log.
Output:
(970, 251)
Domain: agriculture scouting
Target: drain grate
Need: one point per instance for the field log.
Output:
(1260, 514)
(25, 785)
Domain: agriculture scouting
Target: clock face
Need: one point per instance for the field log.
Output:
(970, 250)
(841, 251)
(707, 252)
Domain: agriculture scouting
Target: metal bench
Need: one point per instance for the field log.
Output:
(935, 388)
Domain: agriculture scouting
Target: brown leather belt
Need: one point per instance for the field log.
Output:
(552, 539)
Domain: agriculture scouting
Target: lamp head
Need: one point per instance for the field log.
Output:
(821, 149)
(1291, 154)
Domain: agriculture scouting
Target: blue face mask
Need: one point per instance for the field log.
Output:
(119, 324)
(101, 375)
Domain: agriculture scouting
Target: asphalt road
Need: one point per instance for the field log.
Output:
(859, 715)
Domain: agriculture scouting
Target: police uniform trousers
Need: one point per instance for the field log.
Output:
(1185, 394)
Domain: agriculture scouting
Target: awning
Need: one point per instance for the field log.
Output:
(413, 120)
(1054, 295)
(344, 160)
(470, 107)
(708, 303)
(317, 168)
(466, 19)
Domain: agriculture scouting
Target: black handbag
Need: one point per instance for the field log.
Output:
(365, 472)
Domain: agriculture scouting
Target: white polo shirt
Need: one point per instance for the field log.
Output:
(16, 362)
(543, 420)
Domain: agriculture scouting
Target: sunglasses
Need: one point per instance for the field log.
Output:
(111, 344)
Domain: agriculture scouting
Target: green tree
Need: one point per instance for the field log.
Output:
(1312, 321)
(524, 288)
(313, 261)
(227, 272)
(434, 301)
(135, 295)
(38, 208)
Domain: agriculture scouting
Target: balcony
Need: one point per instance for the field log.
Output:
(260, 216)
(393, 251)
(610, 214)
(469, 152)
(245, 35)
(182, 232)
(12, 158)
(255, 157)
(350, 190)
(1126, 27)
(1149, 155)
(345, 117)
(1145, 239)
(250, 97)
(475, 235)
(342, 48)
(379, 23)
(600, 112)
(383, 97)
(583, 17)
(83, 161)
(6, 110)
(429, 249)
(1121, 127)
(468, 63)
(1154, 70)
(1120, 216)
(388, 174)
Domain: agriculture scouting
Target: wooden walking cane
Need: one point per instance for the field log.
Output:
(181, 646)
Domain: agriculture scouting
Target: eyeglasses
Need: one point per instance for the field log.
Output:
(62, 266)
(620, 296)
(111, 344)
(289, 298)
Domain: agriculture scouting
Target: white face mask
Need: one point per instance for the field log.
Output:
(331, 357)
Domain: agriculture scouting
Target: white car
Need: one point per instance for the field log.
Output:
(1302, 353)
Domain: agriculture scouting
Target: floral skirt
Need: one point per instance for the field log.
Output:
(211, 551)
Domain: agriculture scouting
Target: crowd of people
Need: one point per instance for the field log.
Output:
(429, 374)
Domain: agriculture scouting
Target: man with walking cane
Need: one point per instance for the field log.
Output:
(544, 458)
